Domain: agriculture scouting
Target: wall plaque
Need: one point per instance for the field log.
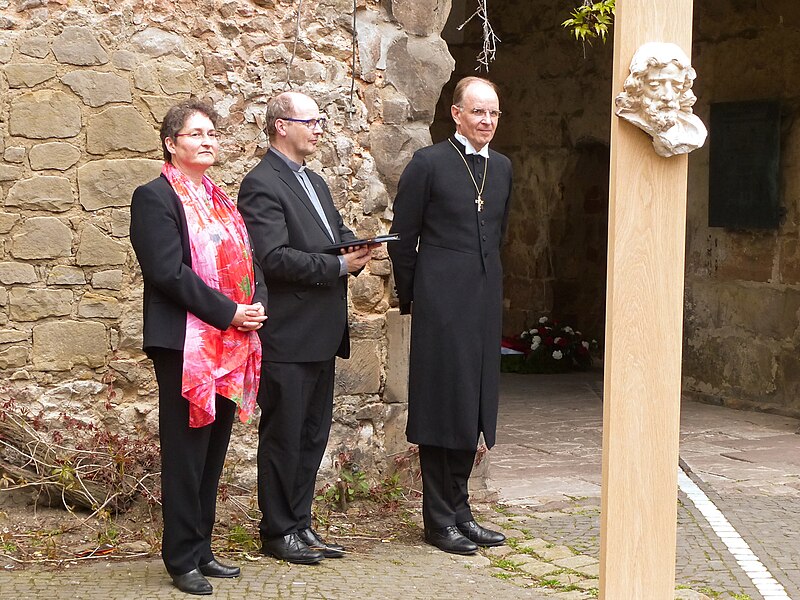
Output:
(744, 169)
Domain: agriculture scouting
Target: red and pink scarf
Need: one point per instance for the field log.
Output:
(227, 362)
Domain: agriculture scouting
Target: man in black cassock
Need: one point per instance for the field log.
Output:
(451, 212)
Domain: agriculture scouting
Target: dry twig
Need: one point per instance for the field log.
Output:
(489, 38)
(85, 479)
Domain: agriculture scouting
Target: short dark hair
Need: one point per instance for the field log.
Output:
(278, 107)
(177, 116)
(461, 87)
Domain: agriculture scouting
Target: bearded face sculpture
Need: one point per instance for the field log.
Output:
(658, 99)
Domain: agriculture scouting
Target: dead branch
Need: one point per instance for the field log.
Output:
(490, 40)
(84, 479)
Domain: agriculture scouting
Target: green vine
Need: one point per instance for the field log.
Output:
(591, 20)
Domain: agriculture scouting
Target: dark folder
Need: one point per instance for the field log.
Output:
(378, 239)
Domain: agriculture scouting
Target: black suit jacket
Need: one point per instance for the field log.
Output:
(160, 239)
(307, 310)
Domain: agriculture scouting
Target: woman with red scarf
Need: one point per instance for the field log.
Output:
(200, 320)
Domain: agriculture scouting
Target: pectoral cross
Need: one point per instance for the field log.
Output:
(479, 203)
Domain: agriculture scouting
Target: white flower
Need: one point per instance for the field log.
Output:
(534, 331)
(577, 333)
(535, 344)
(555, 341)
(568, 329)
(537, 339)
(557, 355)
(543, 320)
(523, 335)
(585, 345)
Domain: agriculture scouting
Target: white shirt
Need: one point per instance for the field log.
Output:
(484, 152)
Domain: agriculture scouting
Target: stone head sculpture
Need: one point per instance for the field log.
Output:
(658, 99)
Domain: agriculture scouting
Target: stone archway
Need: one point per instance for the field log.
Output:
(555, 128)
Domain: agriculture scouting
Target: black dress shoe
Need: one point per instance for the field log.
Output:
(450, 540)
(291, 548)
(480, 535)
(217, 569)
(313, 541)
(193, 582)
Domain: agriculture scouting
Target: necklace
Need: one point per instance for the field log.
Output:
(479, 199)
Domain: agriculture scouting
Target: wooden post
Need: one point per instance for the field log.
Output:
(644, 327)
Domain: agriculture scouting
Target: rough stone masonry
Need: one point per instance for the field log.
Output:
(83, 89)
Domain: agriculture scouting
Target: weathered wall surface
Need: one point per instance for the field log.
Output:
(743, 287)
(83, 88)
(742, 301)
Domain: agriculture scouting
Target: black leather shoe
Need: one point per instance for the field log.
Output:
(450, 540)
(480, 535)
(292, 549)
(193, 582)
(217, 569)
(313, 541)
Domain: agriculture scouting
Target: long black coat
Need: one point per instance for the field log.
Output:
(447, 266)
(307, 310)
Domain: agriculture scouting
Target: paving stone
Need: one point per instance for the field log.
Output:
(498, 551)
(554, 553)
(536, 545)
(575, 562)
(572, 595)
(512, 533)
(568, 578)
(589, 570)
(589, 584)
(537, 568)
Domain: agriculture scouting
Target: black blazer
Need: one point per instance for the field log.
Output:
(160, 239)
(307, 310)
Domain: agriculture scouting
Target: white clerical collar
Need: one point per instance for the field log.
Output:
(484, 152)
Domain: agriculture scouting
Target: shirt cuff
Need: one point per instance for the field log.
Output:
(342, 265)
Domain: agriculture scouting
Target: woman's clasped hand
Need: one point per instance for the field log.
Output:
(249, 317)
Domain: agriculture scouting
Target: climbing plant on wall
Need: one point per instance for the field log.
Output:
(591, 20)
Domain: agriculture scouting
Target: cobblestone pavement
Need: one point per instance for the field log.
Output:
(389, 571)
(547, 459)
(546, 468)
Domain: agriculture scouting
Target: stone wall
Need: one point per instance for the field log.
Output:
(742, 298)
(743, 287)
(83, 88)
(84, 85)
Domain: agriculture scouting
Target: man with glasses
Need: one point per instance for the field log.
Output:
(291, 218)
(451, 211)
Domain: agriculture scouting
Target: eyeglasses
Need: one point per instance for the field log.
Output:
(480, 112)
(310, 123)
(196, 136)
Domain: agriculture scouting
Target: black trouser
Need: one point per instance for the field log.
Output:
(445, 475)
(191, 464)
(296, 401)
